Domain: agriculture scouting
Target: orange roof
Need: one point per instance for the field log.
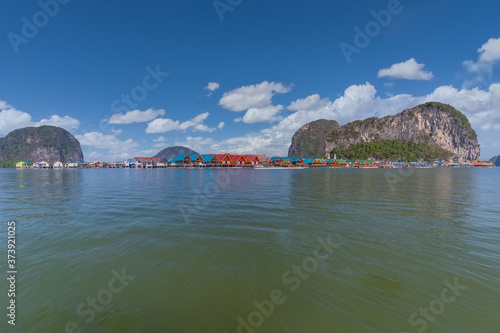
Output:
(222, 157)
(251, 158)
(479, 163)
(236, 158)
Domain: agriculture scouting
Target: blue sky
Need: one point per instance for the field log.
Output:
(129, 78)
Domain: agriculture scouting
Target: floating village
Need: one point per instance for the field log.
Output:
(186, 161)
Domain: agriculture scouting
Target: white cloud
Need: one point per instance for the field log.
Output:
(196, 123)
(266, 114)
(4, 105)
(312, 102)
(135, 116)
(159, 145)
(106, 141)
(347, 107)
(109, 146)
(160, 139)
(251, 143)
(489, 54)
(64, 122)
(256, 100)
(252, 96)
(11, 119)
(198, 119)
(203, 128)
(481, 80)
(480, 106)
(221, 125)
(490, 51)
(211, 87)
(162, 125)
(94, 155)
(198, 144)
(161, 142)
(409, 70)
(116, 131)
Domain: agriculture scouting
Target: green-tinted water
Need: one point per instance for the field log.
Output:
(196, 250)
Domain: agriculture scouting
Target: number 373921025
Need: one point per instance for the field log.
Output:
(11, 245)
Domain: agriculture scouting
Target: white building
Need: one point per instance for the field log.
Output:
(42, 165)
(71, 165)
(58, 165)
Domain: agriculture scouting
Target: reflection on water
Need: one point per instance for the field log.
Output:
(397, 243)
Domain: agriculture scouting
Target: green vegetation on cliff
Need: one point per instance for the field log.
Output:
(423, 128)
(458, 116)
(33, 144)
(309, 140)
(392, 150)
(7, 164)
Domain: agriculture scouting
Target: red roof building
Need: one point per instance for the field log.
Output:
(251, 159)
(223, 158)
(237, 159)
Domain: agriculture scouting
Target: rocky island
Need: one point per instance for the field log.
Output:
(173, 151)
(496, 160)
(430, 131)
(48, 143)
(310, 139)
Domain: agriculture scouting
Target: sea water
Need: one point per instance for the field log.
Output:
(314, 250)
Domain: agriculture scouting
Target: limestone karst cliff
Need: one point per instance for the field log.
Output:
(33, 144)
(310, 139)
(435, 127)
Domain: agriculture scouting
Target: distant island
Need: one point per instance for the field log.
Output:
(428, 132)
(496, 160)
(40, 143)
(174, 151)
